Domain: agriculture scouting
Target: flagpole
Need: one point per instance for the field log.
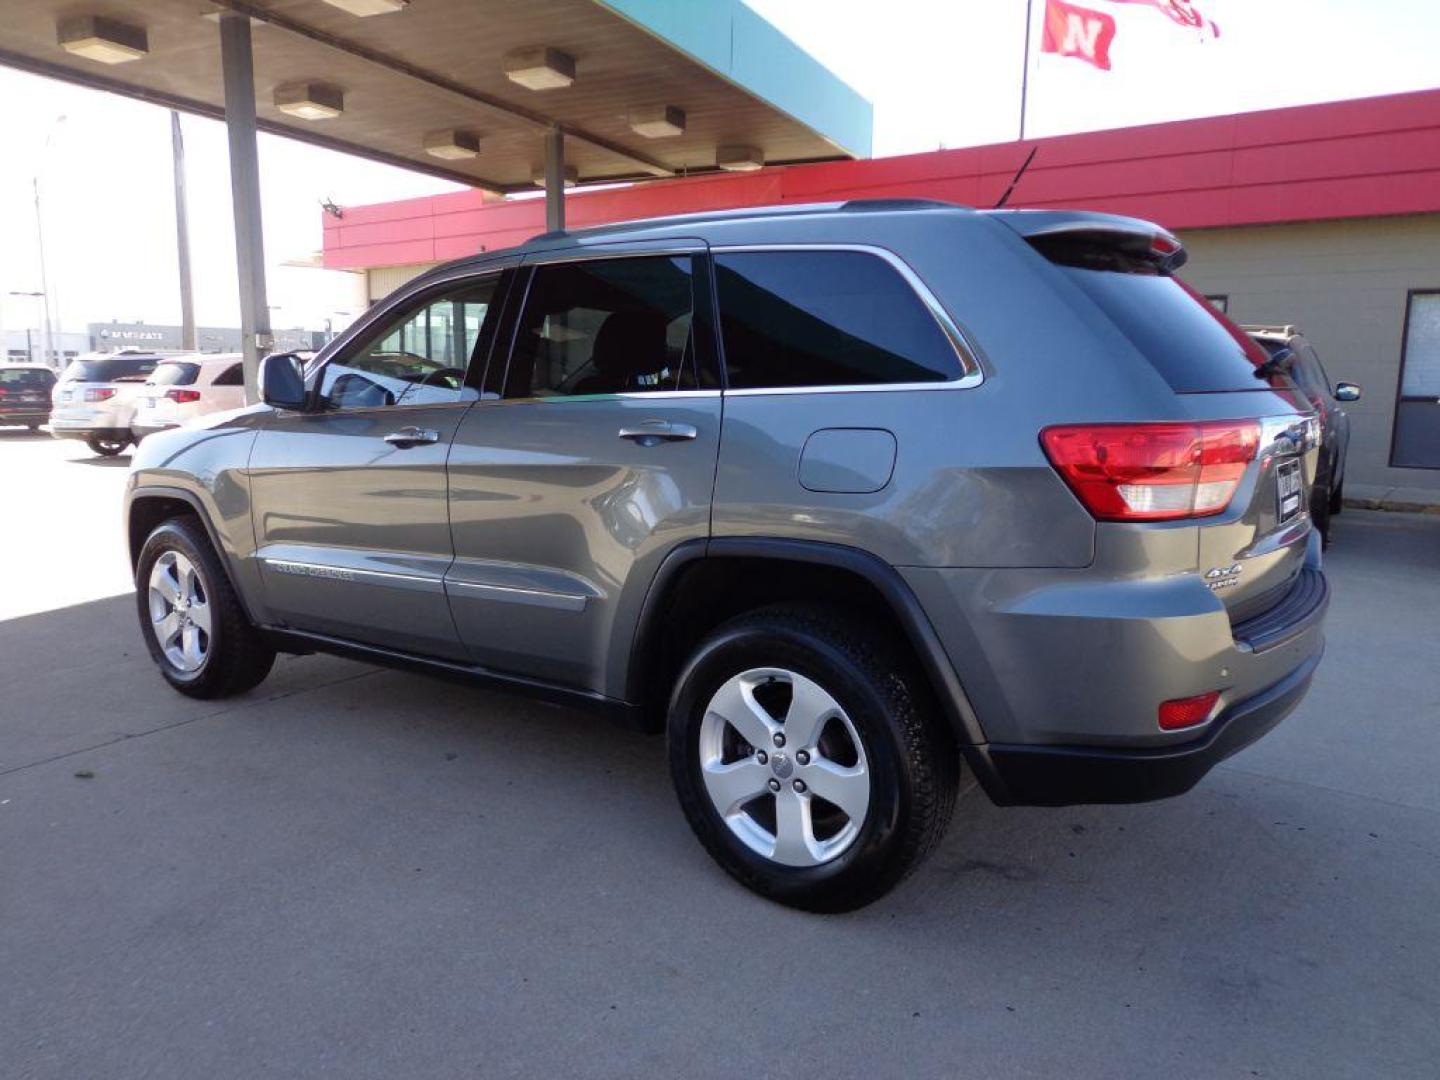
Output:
(1025, 67)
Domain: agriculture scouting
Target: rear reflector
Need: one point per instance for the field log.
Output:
(1187, 712)
(183, 397)
(1153, 472)
(100, 393)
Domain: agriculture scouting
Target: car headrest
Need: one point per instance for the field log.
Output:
(630, 344)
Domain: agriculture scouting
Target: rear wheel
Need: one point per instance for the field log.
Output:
(106, 447)
(808, 759)
(192, 621)
(1337, 498)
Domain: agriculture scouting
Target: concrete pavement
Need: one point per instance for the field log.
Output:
(360, 873)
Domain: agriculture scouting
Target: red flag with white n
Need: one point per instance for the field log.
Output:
(1072, 30)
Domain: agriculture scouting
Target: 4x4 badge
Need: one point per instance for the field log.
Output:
(1220, 577)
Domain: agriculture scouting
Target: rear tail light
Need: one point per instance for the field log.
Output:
(1153, 472)
(100, 393)
(1187, 712)
(183, 397)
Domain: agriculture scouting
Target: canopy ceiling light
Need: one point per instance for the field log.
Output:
(452, 145)
(540, 68)
(572, 176)
(739, 158)
(310, 100)
(96, 37)
(657, 121)
(366, 8)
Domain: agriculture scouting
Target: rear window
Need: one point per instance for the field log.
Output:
(825, 318)
(1194, 347)
(26, 379)
(111, 369)
(174, 374)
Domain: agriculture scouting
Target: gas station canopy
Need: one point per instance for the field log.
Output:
(469, 89)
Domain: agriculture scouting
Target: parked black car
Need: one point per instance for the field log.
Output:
(25, 394)
(1289, 349)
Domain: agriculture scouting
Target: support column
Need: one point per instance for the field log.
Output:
(182, 236)
(555, 179)
(239, 74)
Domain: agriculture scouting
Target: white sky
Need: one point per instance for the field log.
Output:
(940, 73)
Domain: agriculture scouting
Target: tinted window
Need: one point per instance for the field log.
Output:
(234, 375)
(121, 368)
(16, 379)
(825, 318)
(420, 356)
(607, 326)
(1194, 347)
(174, 374)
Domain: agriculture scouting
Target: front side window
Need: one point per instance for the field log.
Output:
(825, 318)
(420, 356)
(607, 326)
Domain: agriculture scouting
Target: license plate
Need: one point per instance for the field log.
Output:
(1287, 490)
(149, 403)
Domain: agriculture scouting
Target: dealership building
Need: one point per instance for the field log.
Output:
(1325, 216)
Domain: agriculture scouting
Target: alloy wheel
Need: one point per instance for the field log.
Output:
(784, 767)
(180, 611)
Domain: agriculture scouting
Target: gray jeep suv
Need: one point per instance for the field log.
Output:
(841, 497)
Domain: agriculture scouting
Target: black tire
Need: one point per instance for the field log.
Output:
(912, 760)
(1337, 498)
(105, 447)
(33, 428)
(237, 658)
(1320, 515)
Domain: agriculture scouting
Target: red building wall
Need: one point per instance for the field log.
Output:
(1363, 158)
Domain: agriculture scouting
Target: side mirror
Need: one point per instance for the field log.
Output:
(1347, 391)
(282, 382)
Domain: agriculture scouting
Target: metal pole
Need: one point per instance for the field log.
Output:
(182, 235)
(239, 74)
(1025, 68)
(44, 281)
(555, 179)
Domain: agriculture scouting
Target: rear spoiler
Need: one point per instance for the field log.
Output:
(1052, 232)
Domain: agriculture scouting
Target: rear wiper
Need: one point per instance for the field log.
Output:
(1278, 364)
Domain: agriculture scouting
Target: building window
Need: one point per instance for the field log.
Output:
(1221, 302)
(1415, 440)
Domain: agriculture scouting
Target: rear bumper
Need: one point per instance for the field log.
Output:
(71, 430)
(142, 430)
(1067, 775)
(21, 415)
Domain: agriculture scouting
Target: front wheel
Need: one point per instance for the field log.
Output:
(106, 447)
(192, 621)
(808, 759)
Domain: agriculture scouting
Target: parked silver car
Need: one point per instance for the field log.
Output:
(182, 388)
(839, 497)
(95, 398)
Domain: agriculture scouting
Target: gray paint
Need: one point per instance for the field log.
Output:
(528, 544)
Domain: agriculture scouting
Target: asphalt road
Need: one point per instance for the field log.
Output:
(358, 873)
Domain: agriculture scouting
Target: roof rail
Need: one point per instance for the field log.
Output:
(863, 205)
(1281, 329)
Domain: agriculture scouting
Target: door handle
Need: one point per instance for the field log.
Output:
(412, 436)
(654, 432)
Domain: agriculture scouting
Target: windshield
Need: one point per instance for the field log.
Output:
(1190, 343)
(121, 368)
(174, 374)
(16, 379)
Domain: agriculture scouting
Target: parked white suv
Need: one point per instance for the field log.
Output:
(184, 387)
(95, 398)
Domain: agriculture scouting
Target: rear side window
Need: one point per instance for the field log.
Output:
(174, 374)
(1193, 346)
(234, 375)
(825, 318)
(608, 326)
